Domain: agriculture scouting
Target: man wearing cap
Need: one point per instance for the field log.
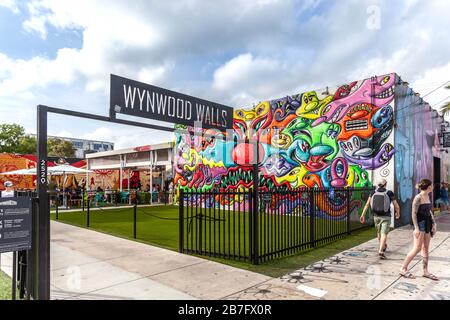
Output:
(9, 191)
(380, 202)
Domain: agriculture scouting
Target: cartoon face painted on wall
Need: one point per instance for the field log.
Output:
(378, 91)
(312, 147)
(364, 130)
(311, 107)
(303, 140)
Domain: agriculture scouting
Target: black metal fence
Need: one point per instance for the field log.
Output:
(256, 227)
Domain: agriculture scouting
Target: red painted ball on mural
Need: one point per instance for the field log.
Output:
(244, 154)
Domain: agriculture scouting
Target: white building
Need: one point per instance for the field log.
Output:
(84, 146)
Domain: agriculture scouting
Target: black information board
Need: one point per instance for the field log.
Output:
(15, 224)
(446, 139)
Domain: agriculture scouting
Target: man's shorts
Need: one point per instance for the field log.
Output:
(382, 224)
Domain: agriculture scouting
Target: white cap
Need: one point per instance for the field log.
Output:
(8, 184)
(382, 182)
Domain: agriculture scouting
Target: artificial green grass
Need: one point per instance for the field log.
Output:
(5, 286)
(158, 225)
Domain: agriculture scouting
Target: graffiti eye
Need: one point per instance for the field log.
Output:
(339, 168)
(304, 146)
(240, 113)
(350, 146)
(305, 99)
(385, 80)
(356, 142)
(344, 146)
(364, 175)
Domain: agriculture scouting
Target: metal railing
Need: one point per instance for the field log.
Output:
(256, 227)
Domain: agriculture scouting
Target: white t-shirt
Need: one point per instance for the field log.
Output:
(7, 194)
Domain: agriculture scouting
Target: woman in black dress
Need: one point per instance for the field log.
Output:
(424, 229)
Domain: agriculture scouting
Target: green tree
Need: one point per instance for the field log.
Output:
(10, 137)
(60, 148)
(445, 109)
(27, 145)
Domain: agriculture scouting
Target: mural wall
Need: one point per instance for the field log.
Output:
(325, 138)
(11, 162)
(415, 141)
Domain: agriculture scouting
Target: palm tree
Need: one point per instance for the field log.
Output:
(445, 109)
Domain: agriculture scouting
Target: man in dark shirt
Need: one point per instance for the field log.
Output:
(382, 220)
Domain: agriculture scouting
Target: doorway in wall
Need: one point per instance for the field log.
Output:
(436, 177)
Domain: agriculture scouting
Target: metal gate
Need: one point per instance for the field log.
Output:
(256, 227)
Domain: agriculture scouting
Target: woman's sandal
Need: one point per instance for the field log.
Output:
(407, 275)
(382, 255)
(431, 276)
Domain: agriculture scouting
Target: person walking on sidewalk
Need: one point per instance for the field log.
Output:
(380, 202)
(443, 202)
(424, 230)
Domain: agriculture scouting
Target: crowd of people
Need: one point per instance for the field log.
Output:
(422, 215)
(73, 195)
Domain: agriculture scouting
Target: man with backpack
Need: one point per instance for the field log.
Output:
(380, 203)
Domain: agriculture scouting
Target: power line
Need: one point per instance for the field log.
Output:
(436, 88)
(421, 98)
(440, 101)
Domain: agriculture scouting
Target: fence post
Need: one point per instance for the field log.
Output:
(88, 213)
(255, 213)
(134, 220)
(348, 211)
(14, 276)
(312, 213)
(250, 224)
(200, 220)
(181, 222)
(56, 204)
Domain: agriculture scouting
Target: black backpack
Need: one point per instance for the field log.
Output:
(380, 202)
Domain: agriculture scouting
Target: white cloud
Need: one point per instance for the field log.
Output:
(11, 5)
(235, 52)
(128, 138)
(432, 79)
(18, 76)
(248, 79)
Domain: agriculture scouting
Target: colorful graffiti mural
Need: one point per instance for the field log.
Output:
(336, 138)
(416, 145)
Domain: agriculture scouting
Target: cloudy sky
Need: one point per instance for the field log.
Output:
(61, 53)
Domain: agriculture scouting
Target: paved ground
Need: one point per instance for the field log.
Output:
(91, 265)
(358, 273)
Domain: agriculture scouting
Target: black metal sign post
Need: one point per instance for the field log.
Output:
(210, 114)
(42, 254)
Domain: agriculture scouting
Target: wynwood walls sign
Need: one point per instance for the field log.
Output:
(143, 100)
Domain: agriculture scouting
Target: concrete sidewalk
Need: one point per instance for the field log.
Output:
(358, 273)
(86, 264)
(90, 265)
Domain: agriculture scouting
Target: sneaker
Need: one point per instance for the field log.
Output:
(382, 256)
